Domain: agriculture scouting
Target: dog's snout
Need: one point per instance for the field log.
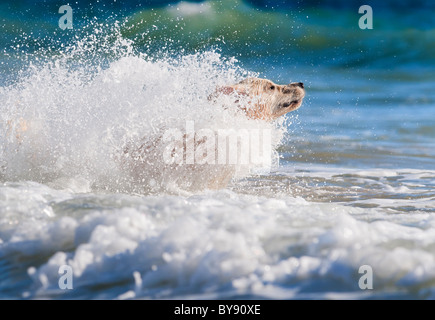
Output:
(297, 84)
(291, 87)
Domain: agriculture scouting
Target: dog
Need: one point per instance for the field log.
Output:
(258, 99)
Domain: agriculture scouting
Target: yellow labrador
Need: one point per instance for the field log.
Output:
(259, 99)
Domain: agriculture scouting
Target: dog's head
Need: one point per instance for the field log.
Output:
(265, 99)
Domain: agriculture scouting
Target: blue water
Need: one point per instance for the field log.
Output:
(355, 183)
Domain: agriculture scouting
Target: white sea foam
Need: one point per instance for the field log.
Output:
(216, 243)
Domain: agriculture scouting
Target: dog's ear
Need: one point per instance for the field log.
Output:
(238, 89)
(228, 90)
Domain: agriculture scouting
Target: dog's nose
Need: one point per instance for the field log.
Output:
(297, 84)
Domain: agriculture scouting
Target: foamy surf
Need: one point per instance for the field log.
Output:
(220, 244)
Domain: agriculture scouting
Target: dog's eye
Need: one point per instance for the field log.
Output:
(272, 87)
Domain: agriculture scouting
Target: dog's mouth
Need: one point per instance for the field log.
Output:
(291, 105)
(288, 104)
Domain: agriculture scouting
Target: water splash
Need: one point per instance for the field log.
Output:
(71, 114)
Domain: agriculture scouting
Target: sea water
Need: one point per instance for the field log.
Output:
(344, 211)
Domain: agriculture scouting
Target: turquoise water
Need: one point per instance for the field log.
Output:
(353, 178)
